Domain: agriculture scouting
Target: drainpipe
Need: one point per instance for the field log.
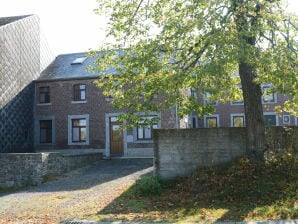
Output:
(177, 120)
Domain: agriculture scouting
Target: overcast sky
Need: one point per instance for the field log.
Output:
(69, 25)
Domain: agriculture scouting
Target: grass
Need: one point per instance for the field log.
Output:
(238, 191)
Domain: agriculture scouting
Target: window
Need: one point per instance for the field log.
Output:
(207, 99)
(268, 96)
(79, 60)
(194, 122)
(45, 131)
(194, 93)
(238, 102)
(286, 119)
(79, 92)
(270, 119)
(144, 132)
(237, 120)
(79, 131)
(44, 94)
(211, 122)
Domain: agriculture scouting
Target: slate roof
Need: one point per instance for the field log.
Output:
(63, 69)
(7, 20)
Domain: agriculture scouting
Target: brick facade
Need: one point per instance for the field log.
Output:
(97, 108)
(225, 111)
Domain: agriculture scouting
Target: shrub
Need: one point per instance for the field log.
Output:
(148, 186)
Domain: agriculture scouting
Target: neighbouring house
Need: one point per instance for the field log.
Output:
(231, 114)
(21, 61)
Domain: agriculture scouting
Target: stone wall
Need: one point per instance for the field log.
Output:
(178, 152)
(23, 169)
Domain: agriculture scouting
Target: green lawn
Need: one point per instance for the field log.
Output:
(238, 191)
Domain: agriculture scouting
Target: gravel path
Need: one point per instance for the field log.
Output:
(80, 194)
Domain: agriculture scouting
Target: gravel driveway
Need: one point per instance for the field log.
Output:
(79, 194)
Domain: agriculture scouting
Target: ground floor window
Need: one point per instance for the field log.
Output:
(211, 121)
(237, 120)
(78, 129)
(144, 132)
(286, 119)
(79, 133)
(45, 131)
(270, 119)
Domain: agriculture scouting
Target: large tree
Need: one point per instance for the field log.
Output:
(166, 46)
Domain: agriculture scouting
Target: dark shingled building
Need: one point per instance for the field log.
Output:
(20, 64)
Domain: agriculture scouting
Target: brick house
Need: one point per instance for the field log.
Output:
(71, 112)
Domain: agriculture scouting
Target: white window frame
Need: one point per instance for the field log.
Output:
(205, 100)
(210, 116)
(237, 102)
(135, 130)
(272, 113)
(263, 94)
(286, 116)
(236, 115)
(72, 117)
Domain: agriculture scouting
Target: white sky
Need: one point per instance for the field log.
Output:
(69, 25)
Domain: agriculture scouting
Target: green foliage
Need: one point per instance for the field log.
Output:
(148, 186)
(286, 160)
(163, 47)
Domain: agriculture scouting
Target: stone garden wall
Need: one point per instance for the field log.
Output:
(178, 152)
(23, 169)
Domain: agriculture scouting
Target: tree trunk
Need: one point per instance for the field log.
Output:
(252, 95)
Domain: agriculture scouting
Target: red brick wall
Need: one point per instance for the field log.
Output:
(61, 97)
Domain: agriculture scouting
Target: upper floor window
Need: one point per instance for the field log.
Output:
(44, 94)
(208, 99)
(194, 93)
(144, 132)
(79, 92)
(238, 102)
(268, 96)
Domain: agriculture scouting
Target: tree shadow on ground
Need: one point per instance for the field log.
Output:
(90, 176)
(233, 193)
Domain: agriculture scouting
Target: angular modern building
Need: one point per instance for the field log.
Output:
(20, 64)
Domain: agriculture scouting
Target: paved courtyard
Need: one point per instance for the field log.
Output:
(79, 194)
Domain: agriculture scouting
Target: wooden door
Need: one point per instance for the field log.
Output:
(116, 138)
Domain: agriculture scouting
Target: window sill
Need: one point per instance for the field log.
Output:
(236, 104)
(44, 104)
(78, 143)
(45, 144)
(143, 141)
(264, 103)
(78, 102)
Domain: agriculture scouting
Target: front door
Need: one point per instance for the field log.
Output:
(116, 138)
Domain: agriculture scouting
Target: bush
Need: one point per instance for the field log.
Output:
(148, 186)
